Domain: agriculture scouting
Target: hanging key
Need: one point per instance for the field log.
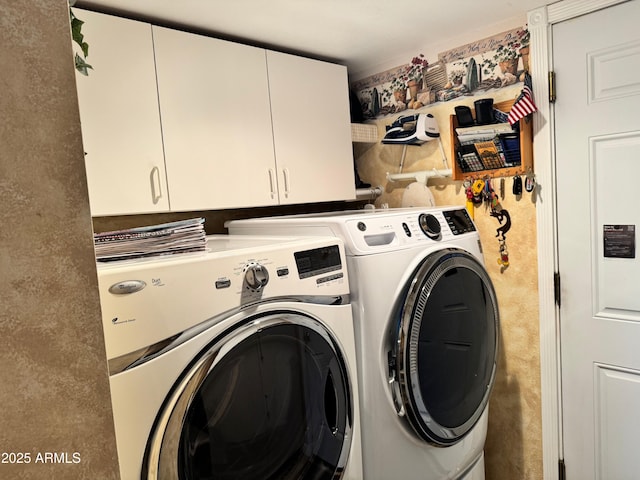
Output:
(477, 189)
(491, 197)
(517, 185)
(503, 261)
(469, 194)
(488, 193)
(530, 182)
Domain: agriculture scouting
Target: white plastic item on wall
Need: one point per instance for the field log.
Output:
(417, 194)
(364, 133)
(422, 176)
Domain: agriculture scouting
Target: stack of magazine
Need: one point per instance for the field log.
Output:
(164, 239)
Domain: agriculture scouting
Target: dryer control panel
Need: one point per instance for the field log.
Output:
(372, 231)
(459, 221)
(401, 228)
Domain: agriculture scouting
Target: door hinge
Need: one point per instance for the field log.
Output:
(562, 473)
(556, 287)
(552, 87)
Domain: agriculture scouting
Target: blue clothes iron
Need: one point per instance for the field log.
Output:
(412, 130)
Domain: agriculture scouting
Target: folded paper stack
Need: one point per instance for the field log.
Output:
(164, 239)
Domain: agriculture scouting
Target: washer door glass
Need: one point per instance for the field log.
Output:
(446, 347)
(270, 400)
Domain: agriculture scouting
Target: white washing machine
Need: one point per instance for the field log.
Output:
(427, 325)
(237, 363)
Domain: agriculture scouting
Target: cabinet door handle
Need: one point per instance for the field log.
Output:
(156, 185)
(272, 182)
(285, 172)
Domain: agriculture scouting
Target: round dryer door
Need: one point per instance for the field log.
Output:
(269, 400)
(446, 346)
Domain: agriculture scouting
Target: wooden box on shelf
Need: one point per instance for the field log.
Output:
(526, 149)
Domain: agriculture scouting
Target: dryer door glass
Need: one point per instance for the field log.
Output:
(447, 348)
(269, 401)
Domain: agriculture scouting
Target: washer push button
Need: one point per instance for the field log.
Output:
(282, 272)
(329, 278)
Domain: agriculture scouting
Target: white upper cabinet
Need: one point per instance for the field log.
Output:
(311, 129)
(235, 126)
(120, 118)
(216, 122)
(218, 100)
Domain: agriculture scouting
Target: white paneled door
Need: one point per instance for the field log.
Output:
(596, 58)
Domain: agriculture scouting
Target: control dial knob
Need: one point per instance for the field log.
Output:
(430, 225)
(256, 276)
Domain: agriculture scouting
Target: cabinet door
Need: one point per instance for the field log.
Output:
(311, 128)
(216, 122)
(120, 118)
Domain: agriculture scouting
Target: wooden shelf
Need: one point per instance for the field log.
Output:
(526, 149)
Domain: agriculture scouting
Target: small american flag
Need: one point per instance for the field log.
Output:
(524, 104)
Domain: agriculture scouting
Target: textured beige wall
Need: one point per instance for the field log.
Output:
(54, 387)
(514, 443)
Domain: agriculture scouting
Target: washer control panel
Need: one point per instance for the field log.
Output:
(318, 261)
(145, 302)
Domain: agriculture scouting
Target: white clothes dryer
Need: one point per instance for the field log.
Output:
(427, 325)
(237, 363)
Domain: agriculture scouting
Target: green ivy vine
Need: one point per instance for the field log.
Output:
(76, 34)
